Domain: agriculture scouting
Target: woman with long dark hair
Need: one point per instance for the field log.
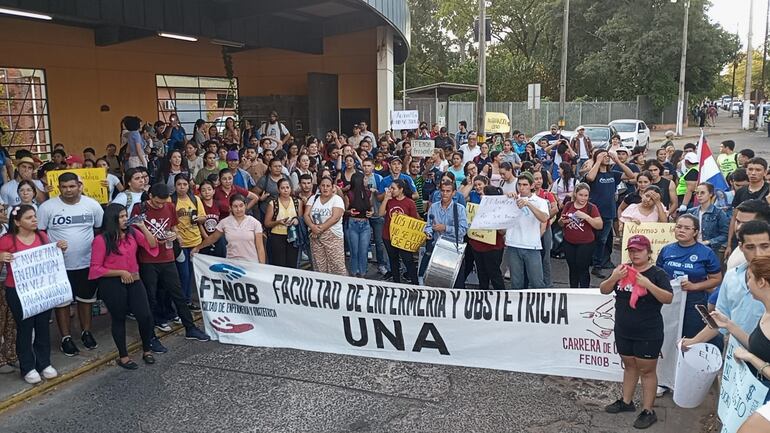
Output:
(564, 186)
(323, 216)
(190, 217)
(358, 231)
(397, 200)
(579, 220)
(33, 342)
(173, 164)
(114, 266)
(210, 218)
(282, 219)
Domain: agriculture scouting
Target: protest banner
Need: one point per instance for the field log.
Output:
(41, 279)
(407, 233)
(496, 122)
(741, 394)
(92, 179)
(564, 332)
(404, 119)
(659, 234)
(496, 212)
(486, 236)
(423, 148)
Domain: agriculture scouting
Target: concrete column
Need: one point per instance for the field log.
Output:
(384, 79)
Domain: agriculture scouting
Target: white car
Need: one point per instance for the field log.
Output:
(633, 132)
(735, 106)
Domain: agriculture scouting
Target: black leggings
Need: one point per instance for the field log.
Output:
(394, 254)
(282, 253)
(123, 298)
(488, 268)
(33, 342)
(579, 257)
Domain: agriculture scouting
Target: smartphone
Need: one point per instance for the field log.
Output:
(704, 313)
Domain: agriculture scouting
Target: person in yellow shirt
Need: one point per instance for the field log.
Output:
(727, 158)
(189, 226)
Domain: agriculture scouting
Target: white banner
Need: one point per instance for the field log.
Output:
(423, 148)
(41, 279)
(496, 212)
(405, 119)
(565, 332)
(741, 393)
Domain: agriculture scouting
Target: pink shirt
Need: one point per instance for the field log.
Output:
(240, 237)
(103, 261)
(633, 211)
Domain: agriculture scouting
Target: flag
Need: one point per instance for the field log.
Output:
(709, 170)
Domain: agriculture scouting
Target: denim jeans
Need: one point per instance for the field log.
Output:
(377, 224)
(358, 234)
(545, 255)
(522, 260)
(603, 241)
(185, 270)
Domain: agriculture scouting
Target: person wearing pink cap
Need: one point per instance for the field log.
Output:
(640, 289)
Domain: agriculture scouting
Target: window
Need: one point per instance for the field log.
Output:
(212, 99)
(24, 111)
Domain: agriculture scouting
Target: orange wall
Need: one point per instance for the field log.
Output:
(82, 77)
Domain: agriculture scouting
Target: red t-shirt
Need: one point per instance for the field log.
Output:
(484, 247)
(579, 231)
(158, 221)
(222, 199)
(547, 195)
(405, 206)
(8, 244)
(212, 217)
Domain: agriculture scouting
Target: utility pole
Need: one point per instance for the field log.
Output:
(403, 90)
(746, 123)
(761, 95)
(563, 82)
(481, 99)
(681, 113)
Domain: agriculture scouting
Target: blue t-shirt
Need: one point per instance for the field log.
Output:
(603, 190)
(696, 261)
(629, 186)
(388, 180)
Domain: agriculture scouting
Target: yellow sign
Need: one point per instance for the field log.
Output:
(94, 181)
(407, 233)
(486, 236)
(659, 234)
(496, 122)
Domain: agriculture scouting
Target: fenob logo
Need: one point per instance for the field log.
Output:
(230, 272)
(224, 325)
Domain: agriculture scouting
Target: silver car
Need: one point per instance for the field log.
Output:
(599, 134)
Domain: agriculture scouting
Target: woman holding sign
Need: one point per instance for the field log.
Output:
(397, 201)
(33, 341)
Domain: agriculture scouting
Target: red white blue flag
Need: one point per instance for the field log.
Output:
(709, 170)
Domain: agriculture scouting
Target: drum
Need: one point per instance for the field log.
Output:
(444, 264)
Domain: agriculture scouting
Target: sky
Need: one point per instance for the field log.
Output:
(733, 15)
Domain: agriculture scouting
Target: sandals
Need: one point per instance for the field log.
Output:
(148, 359)
(130, 365)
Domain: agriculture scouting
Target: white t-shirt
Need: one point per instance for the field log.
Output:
(72, 223)
(468, 153)
(321, 212)
(273, 130)
(508, 187)
(122, 199)
(112, 182)
(9, 194)
(583, 149)
(526, 233)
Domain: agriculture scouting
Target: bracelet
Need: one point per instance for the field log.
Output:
(759, 372)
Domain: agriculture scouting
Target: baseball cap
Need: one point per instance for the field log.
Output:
(232, 155)
(396, 158)
(639, 242)
(622, 149)
(691, 157)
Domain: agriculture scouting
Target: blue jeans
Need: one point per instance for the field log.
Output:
(379, 246)
(545, 255)
(185, 270)
(358, 234)
(603, 243)
(521, 260)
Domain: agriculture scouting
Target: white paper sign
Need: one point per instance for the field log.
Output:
(741, 393)
(41, 279)
(405, 119)
(564, 332)
(496, 212)
(423, 148)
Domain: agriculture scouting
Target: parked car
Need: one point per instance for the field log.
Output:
(633, 132)
(600, 135)
(726, 102)
(735, 107)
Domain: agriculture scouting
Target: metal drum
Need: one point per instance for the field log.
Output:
(444, 264)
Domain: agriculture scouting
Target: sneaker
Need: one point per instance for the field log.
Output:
(50, 372)
(597, 272)
(157, 347)
(193, 307)
(88, 340)
(176, 320)
(163, 327)
(645, 419)
(130, 316)
(68, 347)
(32, 377)
(196, 334)
(382, 270)
(620, 406)
(660, 391)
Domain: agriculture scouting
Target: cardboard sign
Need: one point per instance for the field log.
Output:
(423, 148)
(92, 179)
(741, 394)
(659, 234)
(405, 119)
(497, 122)
(407, 233)
(486, 236)
(496, 212)
(41, 279)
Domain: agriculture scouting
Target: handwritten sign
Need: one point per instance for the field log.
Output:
(92, 179)
(407, 233)
(486, 236)
(497, 122)
(659, 234)
(496, 212)
(41, 279)
(741, 393)
(423, 148)
(404, 119)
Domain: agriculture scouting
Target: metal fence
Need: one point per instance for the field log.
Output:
(533, 121)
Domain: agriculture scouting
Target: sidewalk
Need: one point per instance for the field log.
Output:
(724, 125)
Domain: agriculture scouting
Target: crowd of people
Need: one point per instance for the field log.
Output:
(263, 195)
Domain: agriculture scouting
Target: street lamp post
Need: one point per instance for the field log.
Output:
(745, 122)
(680, 105)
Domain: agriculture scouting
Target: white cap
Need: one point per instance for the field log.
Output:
(691, 157)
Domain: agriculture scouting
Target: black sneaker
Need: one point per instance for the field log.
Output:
(387, 277)
(130, 316)
(196, 334)
(598, 273)
(156, 347)
(68, 347)
(620, 406)
(645, 419)
(88, 340)
(193, 307)
(176, 320)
